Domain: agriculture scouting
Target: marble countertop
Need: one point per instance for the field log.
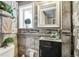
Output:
(3, 50)
(49, 39)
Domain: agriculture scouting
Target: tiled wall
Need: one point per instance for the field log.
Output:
(76, 26)
(26, 40)
(66, 26)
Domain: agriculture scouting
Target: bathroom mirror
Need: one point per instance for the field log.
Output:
(48, 14)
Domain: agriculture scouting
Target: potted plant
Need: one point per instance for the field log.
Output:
(54, 35)
(7, 41)
(4, 6)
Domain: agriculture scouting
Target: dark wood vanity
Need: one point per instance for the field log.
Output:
(50, 48)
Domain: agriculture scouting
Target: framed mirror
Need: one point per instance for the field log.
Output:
(48, 14)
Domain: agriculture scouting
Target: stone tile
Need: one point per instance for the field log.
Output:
(66, 50)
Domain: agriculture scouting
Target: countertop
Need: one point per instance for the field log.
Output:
(3, 49)
(49, 39)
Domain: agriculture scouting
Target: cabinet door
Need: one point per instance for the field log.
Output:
(48, 14)
(50, 49)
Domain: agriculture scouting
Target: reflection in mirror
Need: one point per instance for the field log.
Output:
(49, 16)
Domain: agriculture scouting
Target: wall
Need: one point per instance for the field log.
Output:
(76, 27)
(13, 32)
(66, 29)
(25, 39)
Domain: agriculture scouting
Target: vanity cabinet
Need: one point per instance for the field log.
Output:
(50, 49)
(48, 14)
(27, 16)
